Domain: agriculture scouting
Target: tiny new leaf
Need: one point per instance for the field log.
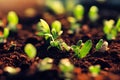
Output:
(99, 44)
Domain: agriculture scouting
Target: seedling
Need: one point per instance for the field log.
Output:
(56, 6)
(66, 68)
(109, 29)
(12, 70)
(4, 35)
(74, 26)
(30, 50)
(118, 25)
(52, 34)
(95, 70)
(78, 12)
(12, 20)
(99, 45)
(82, 50)
(93, 13)
(45, 64)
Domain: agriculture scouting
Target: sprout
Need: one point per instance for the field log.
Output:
(6, 33)
(45, 64)
(118, 25)
(52, 34)
(95, 70)
(104, 47)
(78, 12)
(99, 45)
(12, 70)
(74, 26)
(110, 30)
(93, 13)
(30, 50)
(12, 20)
(66, 68)
(56, 6)
(56, 29)
(82, 50)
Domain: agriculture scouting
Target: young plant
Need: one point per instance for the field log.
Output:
(74, 26)
(99, 45)
(82, 50)
(109, 29)
(45, 64)
(52, 34)
(4, 35)
(66, 68)
(93, 13)
(102, 46)
(30, 50)
(95, 70)
(12, 21)
(56, 6)
(118, 25)
(78, 12)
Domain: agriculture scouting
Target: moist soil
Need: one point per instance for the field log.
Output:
(15, 56)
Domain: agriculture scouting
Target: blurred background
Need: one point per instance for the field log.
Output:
(33, 8)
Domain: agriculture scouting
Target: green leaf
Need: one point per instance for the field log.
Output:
(95, 70)
(44, 26)
(79, 43)
(85, 48)
(56, 25)
(118, 25)
(30, 50)
(93, 13)
(6, 32)
(99, 44)
(78, 12)
(12, 18)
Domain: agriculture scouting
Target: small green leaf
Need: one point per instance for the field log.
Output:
(79, 43)
(93, 13)
(30, 50)
(44, 26)
(95, 70)
(99, 44)
(57, 26)
(78, 12)
(85, 48)
(118, 25)
(6, 32)
(12, 18)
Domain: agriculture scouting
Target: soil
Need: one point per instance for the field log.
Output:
(15, 56)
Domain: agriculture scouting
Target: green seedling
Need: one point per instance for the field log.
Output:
(81, 50)
(118, 25)
(12, 20)
(4, 36)
(56, 6)
(104, 47)
(110, 30)
(30, 50)
(45, 64)
(12, 70)
(99, 45)
(52, 34)
(74, 26)
(95, 70)
(78, 12)
(66, 68)
(93, 13)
